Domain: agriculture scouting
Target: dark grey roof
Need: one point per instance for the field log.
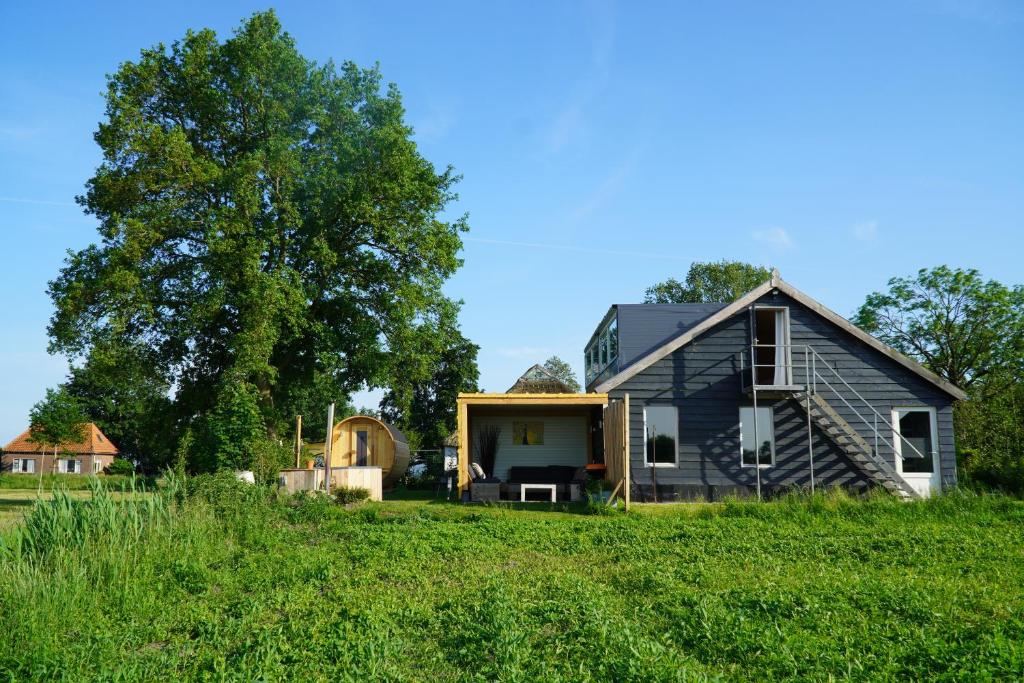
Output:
(645, 327)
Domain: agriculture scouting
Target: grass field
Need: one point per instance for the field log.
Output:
(223, 583)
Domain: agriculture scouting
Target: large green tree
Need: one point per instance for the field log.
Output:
(708, 283)
(961, 327)
(267, 224)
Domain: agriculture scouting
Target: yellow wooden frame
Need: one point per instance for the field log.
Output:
(464, 401)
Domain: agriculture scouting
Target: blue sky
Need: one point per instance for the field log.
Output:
(604, 147)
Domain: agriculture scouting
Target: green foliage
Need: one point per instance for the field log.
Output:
(708, 283)
(120, 467)
(423, 404)
(346, 495)
(270, 238)
(964, 329)
(807, 588)
(563, 371)
(69, 482)
(990, 440)
(121, 390)
(58, 420)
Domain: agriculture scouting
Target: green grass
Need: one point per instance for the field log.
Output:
(226, 583)
(70, 482)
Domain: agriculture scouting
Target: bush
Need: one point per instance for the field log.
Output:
(120, 467)
(346, 495)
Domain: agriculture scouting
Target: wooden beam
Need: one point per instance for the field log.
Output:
(462, 434)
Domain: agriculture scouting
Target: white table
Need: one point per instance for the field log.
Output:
(536, 487)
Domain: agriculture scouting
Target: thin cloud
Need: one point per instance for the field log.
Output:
(436, 123)
(519, 352)
(41, 202)
(570, 247)
(570, 121)
(773, 237)
(866, 231)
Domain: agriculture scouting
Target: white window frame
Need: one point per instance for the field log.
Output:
(675, 424)
(62, 466)
(96, 465)
(897, 439)
(771, 418)
(18, 466)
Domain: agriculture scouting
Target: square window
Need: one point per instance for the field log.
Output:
(661, 429)
(765, 439)
(528, 433)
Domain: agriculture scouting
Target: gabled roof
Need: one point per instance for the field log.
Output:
(748, 299)
(539, 380)
(94, 442)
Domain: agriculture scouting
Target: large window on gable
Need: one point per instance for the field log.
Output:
(661, 429)
(757, 437)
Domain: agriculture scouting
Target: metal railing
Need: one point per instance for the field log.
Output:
(812, 360)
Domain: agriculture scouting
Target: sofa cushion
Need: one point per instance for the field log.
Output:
(550, 474)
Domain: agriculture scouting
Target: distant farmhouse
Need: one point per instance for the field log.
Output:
(89, 456)
(768, 393)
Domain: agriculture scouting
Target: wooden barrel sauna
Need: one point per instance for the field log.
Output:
(361, 441)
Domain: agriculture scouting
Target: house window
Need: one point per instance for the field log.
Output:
(96, 466)
(661, 427)
(763, 443)
(528, 433)
(23, 466)
(613, 340)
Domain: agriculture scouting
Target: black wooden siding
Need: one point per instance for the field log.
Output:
(703, 380)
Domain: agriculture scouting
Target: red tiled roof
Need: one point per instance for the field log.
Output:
(94, 443)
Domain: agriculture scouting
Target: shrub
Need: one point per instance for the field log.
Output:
(346, 495)
(120, 467)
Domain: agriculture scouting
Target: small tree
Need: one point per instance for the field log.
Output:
(563, 371)
(709, 283)
(58, 420)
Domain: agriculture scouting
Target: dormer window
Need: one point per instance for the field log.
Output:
(603, 350)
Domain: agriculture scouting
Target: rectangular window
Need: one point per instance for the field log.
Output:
(528, 433)
(613, 340)
(23, 466)
(763, 443)
(661, 427)
(603, 342)
(69, 466)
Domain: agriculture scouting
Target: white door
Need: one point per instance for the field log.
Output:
(916, 442)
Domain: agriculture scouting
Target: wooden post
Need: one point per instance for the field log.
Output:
(298, 440)
(328, 449)
(625, 449)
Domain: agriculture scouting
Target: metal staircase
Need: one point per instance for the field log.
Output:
(817, 372)
(853, 445)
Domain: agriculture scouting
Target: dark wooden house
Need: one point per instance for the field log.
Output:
(765, 394)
